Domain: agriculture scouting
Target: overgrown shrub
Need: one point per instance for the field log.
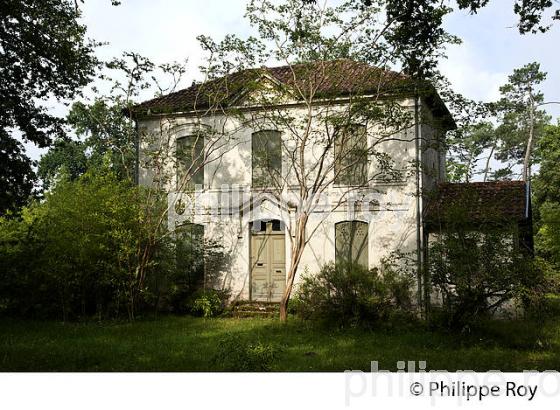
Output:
(349, 295)
(208, 303)
(236, 354)
(477, 272)
(92, 248)
(76, 251)
(540, 302)
(194, 264)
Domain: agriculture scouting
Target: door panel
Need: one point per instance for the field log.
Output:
(268, 265)
(278, 265)
(278, 249)
(260, 267)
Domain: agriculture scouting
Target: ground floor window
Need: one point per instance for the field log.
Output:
(190, 254)
(351, 243)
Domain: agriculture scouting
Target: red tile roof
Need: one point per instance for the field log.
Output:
(322, 78)
(478, 203)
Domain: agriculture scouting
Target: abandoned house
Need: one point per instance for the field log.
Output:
(230, 152)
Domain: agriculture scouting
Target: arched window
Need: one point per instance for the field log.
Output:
(351, 243)
(190, 162)
(351, 156)
(266, 159)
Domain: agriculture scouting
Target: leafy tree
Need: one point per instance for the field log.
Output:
(106, 133)
(546, 198)
(414, 32)
(521, 122)
(530, 12)
(43, 54)
(417, 33)
(87, 240)
(103, 131)
(478, 271)
(103, 134)
(16, 175)
(548, 235)
(66, 156)
(20, 289)
(84, 237)
(467, 144)
(547, 181)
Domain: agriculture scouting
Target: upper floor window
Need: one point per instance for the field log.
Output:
(266, 159)
(351, 156)
(351, 243)
(190, 162)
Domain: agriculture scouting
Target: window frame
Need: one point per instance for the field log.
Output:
(344, 178)
(190, 258)
(278, 170)
(197, 177)
(340, 258)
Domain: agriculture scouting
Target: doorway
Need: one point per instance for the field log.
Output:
(268, 261)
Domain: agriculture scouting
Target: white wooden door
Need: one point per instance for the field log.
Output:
(268, 264)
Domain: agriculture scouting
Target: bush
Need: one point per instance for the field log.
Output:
(234, 354)
(539, 304)
(478, 272)
(352, 295)
(193, 263)
(208, 303)
(76, 251)
(93, 247)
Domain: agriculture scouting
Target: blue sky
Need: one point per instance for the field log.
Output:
(492, 48)
(166, 30)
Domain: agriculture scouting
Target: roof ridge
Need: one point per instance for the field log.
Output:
(339, 77)
(265, 68)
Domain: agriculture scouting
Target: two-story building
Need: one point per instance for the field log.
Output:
(244, 154)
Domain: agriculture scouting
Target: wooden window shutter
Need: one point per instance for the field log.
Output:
(190, 162)
(351, 243)
(351, 156)
(266, 159)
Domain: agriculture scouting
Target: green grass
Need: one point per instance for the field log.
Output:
(191, 344)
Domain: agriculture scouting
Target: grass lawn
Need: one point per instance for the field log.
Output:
(191, 344)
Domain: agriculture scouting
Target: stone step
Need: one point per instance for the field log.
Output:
(249, 314)
(254, 309)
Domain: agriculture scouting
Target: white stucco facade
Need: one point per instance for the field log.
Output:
(226, 205)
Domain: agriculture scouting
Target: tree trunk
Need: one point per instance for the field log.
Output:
(297, 251)
(468, 170)
(529, 148)
(287, 293)
(487, 167)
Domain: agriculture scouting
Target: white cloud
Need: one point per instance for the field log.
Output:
(468, 74)
(166, 30)
(162, 31)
